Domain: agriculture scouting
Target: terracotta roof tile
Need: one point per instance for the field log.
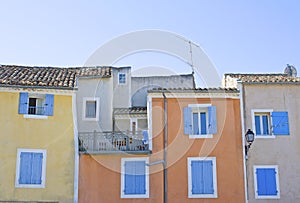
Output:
(132, 110)
(264, 78)
(196, 90)
(50, 77)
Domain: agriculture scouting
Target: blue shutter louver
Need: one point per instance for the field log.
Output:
(37, 164)
(266, 182)
(202, 177)
(135, 177)
(49, 101)
(280, 123)
(187, 118)
(25, 168)
(23, 103)
(212, 120)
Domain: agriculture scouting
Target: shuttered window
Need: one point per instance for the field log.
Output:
(266, 182)
(202, 177)
(135, 180)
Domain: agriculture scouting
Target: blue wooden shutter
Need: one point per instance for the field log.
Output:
(203, 123)
(49, 101)
(212, 120)
(25, 168)
(202, 177)
(135, 177)
(280, 123)
(37, 164)
(266, 181)
(23, 103)
(187, 119)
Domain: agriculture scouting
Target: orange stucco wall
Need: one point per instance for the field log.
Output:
(99, 175)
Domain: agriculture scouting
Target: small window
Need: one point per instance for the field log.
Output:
(134, 178)
(202, 177)
(36, 104)
(266, 182)
(200, 121)
(268, 123)
(31, 168)
(91, 109)
(122, 78)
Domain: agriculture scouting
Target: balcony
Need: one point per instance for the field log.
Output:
(114, 142)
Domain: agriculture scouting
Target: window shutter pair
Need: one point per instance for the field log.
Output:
(31, 168)
(266, 181)
(280, 123)
(212, 120)
(135, 177)
(23, 104)
(202, 177)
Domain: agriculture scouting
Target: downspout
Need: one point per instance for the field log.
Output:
(165, 148)
(242, 106)
(76, 148)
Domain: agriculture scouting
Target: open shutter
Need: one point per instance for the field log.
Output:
(37, 164)
(187, 119)
(25, 168)
(212, 120)
(49, 101)
(280, 123)
(266, 181)
(23, 103)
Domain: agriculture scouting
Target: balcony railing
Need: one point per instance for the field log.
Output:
(113, 142)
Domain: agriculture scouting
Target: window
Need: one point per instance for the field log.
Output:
(91, 109)
(122, 78)
(134, 178)
(200, 120)
(202, 177)
(31, 168)
(266, 182)
(268, 123)
(36, 104)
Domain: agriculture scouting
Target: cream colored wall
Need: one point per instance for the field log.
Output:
(283, 151)
(97, 87)
(54, 134)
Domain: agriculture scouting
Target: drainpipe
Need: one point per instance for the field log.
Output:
(165, 148)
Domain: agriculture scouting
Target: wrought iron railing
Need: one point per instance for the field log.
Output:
(37, 110)
(114, 142)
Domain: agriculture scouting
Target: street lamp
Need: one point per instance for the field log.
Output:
(249, 138)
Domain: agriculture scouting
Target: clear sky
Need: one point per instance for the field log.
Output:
(238, 36)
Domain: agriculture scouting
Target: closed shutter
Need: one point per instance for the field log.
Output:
(135, 177)
(212, 120)
(23, 103)
(187, 119)
(25, 168)
(202, 177)
(37, 164)
(280, 123)
(266, 181)
(49, 101)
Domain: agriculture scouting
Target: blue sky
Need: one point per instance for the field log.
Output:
(238, 36)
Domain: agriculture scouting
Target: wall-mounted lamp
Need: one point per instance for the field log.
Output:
(249, 138)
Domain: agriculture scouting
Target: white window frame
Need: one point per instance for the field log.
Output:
(277, 182)
(198, 108)
(119, 78)
(97, 100)
(262, 111)
(190, 194)
(123, 160)
(42, 185)
(36, 116)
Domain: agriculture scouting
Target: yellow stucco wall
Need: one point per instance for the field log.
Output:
(54, 134)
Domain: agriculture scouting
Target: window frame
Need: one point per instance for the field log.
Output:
(97, 100)
(123, 161)
(214, 172)
(262, 111)
(125, 76)
(18, 164)
(277, 182)
(198, 108)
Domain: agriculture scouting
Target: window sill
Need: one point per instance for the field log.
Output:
(267, 197)
(265, 136)
(203, 196)
(90, 119)
(200, 136)
(35, 116)
(135, 196)
(30, 186)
